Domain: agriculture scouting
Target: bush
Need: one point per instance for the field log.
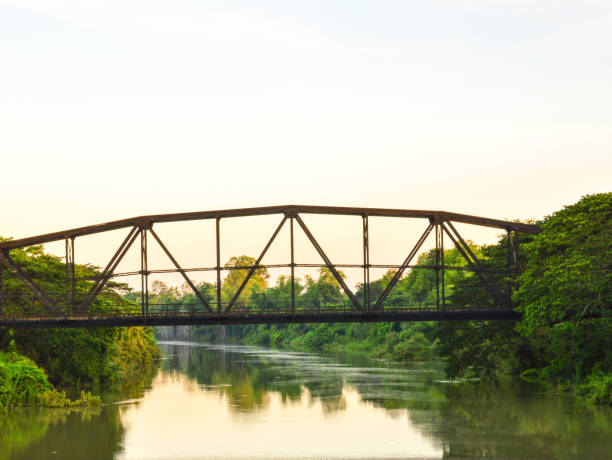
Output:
(21, 381)
(415, 348)
(597, 389)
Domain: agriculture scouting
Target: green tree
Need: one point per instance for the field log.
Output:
(566, 291)
(482, 348)
(278, 296)
(69, 356)
(232, 282)
(325, 290)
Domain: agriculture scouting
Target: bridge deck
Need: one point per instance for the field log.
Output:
(255, 317)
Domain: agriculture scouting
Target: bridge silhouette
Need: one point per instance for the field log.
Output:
(72, 306)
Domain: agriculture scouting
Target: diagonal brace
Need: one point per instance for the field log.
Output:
(330, 266)
(110, 268)
(401, 270)
(29, 282)
(181, 271)
(256, 265)
(475, 265)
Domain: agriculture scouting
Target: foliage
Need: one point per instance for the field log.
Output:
(232, 282)
(84, 357)
(566, 291)
(135, 348)
(325, 290)
(597, 389)
(72, 356)
(483, 349)
(23, 383)
(565, 335)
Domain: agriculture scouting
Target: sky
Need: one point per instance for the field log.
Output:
(112, 109)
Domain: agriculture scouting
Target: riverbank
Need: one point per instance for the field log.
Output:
(23, 383)
(391, 341)
(42, 377)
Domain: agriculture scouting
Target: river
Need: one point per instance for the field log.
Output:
(235, 402)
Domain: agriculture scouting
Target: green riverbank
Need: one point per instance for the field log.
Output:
(38, 365)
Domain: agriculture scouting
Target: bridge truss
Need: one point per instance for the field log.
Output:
(75, 307)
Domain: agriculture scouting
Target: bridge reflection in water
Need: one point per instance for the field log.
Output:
(74, 306)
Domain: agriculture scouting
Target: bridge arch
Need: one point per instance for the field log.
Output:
(69, 309)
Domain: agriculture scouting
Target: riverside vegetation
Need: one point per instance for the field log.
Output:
(35, 362)
(564, 340)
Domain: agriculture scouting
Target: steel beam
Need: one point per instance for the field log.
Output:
(70, 275)
(144, 271)
(39, 293)
(292, 265)
(288, 209)
(437, 264)
(195, 290)
(403, 267)
(273, 318)
(1, 289)
(218, 267)
(110, 268)
(442, 269)
(256, 266)
(328, 263)
(439, 268)
(366, 263)
(475, 265)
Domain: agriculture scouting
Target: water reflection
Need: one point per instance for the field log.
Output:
(243, 402)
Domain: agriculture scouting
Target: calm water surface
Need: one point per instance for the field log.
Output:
(226, 402)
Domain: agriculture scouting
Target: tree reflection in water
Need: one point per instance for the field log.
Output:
(507, 420)
(73, 433)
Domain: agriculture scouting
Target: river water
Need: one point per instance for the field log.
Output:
(234, 402)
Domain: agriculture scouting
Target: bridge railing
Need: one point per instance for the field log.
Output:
(195, 310)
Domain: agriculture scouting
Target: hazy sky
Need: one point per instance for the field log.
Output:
(110, 109)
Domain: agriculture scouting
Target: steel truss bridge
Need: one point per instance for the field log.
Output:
(73, 307)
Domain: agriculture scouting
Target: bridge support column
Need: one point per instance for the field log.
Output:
(366, 264)
(70, 276)
(292, 265)
(218, 268)
(440, 273)
(144, 272)
(1, 299)
(439, 267)
(513, 262)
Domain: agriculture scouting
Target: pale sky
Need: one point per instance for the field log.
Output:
(112, 109)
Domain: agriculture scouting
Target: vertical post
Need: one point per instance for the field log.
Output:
(437, 266)
(70, 277)
(509, 261)
(67, 263)
(517, 267)
(1, 271)
(513, 262)
(366, 264)
(73, 273)
(218, 239)
(144, 272)
(292, 266)
(442, 268)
